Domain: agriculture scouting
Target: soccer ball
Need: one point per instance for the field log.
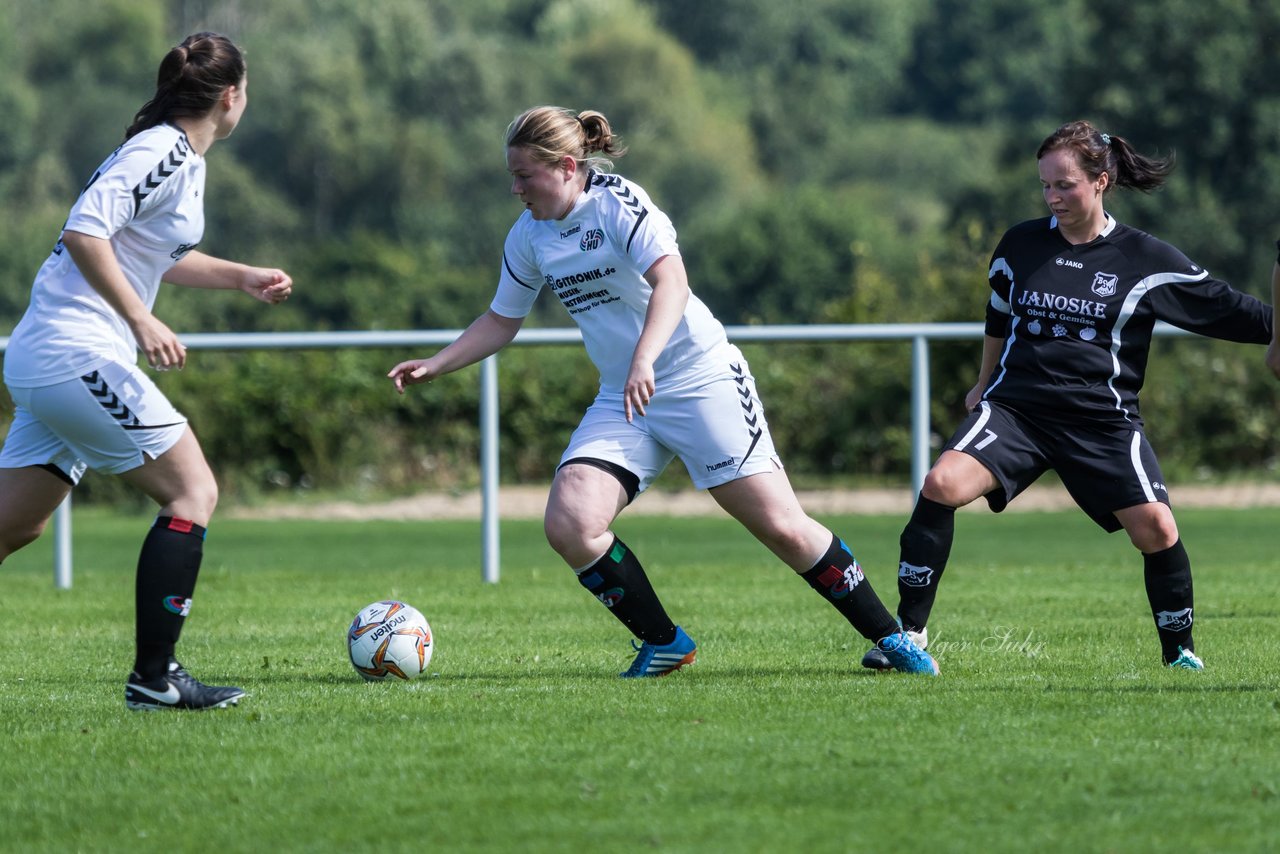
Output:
(389, 639)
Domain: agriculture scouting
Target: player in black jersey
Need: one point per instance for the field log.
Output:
(1074, 298)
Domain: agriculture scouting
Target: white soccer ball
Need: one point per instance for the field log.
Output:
(389, 640)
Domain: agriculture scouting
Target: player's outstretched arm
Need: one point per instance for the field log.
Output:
(486, 335)
(198, 270)
(100, 268)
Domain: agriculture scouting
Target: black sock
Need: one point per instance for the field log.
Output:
(617, 579)
(839, 579)
(167, 570)
(1168, 577)
(926, 545)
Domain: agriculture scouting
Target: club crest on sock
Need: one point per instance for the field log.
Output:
(1174, 621)
(914, 576)
(611, 597)
(841, 582)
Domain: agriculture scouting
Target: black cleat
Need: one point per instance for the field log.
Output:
(177, 689)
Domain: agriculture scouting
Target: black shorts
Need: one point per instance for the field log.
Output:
(1104, 467)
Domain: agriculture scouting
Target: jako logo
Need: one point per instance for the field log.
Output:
(591, 240)
(914, 576)
(1063, 262)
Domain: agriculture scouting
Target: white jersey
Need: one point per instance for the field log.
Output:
(147, 198)
(594, 260)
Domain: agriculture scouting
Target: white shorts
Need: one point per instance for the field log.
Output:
(718, 429)
(109, 420)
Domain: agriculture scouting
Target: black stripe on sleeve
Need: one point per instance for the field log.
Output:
(644, 212)
(513, 275)
(166, 167)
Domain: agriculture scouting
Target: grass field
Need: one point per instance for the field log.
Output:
(1052, 727)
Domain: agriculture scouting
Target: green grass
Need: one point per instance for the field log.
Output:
(1053, 727)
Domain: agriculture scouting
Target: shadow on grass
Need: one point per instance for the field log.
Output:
(1158, 689)
(563, 675)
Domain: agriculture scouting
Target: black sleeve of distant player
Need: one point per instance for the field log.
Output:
(1213, 308)
(997, 321)
(997, 325)
(1210, 306)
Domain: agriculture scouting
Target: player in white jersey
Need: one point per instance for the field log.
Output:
(71, 363)
(671, 385)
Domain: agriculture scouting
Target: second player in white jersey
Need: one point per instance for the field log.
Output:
(81, 399)
(671, 385)
(594, 261)
(147, 198)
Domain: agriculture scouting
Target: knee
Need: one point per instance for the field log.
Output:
(792, 535)
(795, 538)
(1154, 534)
(204, 497)
(14, 538)
(197, 501)
(569, 536)
(943, 485)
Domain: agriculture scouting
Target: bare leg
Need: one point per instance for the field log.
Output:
(1167, 576)
(180, 481)
(767, 506)
(583, 503)
(28, 497)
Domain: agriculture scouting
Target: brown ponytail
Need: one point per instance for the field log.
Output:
(191, 79)
(1098, 152)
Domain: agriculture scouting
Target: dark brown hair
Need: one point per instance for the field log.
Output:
(1098, 152)
(191, 79)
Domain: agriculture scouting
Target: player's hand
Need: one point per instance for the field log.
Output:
(1273, 358)
(638, 390)
(974, 397)
(268, 285)
(159, 344)
(412, 372)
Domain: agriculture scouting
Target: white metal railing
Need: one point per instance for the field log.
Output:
(919, 334)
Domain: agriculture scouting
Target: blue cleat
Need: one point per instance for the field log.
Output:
(654, 660)
(902, 654)
(877, 660)
(1187, 660)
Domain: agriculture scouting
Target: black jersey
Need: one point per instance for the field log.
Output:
(1077, 319)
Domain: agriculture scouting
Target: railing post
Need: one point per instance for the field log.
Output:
(489, 468)
(919, 334)
(919, 413)
(62, 545)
